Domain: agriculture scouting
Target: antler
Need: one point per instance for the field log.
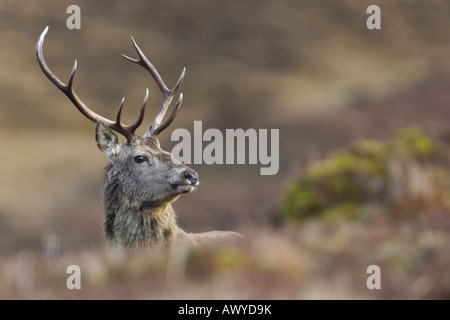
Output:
(168, 94)
(126, 130)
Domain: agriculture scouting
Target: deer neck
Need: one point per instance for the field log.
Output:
(134, 222)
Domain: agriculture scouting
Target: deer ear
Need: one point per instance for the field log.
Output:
(107, 140)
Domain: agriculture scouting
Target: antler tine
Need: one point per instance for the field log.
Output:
(127, 131)
(169, 120)
(167, 100)
(66, 89)
(138, 122)
(119, 112)
(167, 93)
(144, 62)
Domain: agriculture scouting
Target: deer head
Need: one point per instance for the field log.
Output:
(148, 174)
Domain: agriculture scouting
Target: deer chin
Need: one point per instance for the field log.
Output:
(183, 187)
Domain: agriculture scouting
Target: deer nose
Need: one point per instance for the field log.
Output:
(191, 176)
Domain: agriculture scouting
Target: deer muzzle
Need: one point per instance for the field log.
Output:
(192, 177)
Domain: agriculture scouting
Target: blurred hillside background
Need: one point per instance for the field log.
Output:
(337, 92)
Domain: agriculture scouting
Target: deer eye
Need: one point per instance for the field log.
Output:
(140, 159)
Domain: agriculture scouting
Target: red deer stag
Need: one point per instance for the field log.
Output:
(141, 180)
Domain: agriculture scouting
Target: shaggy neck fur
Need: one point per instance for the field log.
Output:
(131, 221)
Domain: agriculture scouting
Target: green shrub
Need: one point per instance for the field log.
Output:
(338, 186)
(416, 143)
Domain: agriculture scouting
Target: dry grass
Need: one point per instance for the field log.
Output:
(310, 261)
